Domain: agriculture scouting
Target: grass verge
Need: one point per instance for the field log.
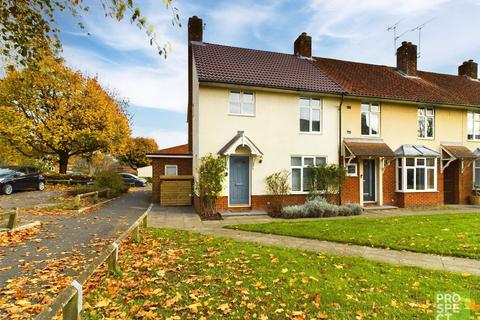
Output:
(182, 275)
(445, 234)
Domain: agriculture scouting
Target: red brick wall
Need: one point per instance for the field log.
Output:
(259, 202)
(158, 169)
(350, 192)
(390, 197)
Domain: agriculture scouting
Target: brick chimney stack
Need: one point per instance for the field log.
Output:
(469, 68)
(303, 45)
(407, 58)
(195, 29)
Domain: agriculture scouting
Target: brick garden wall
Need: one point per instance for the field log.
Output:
(158, 169)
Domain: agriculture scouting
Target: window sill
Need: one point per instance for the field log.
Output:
(371, 135)
(416, 191)
(473, 140)
(420, 138)
(241, 115)
(314, 133)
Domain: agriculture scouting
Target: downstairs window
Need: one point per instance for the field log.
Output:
(416, 174)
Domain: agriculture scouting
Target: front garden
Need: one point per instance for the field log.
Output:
(182, 275)
(444, 234)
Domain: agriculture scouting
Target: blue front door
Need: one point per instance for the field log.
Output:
(239, 180)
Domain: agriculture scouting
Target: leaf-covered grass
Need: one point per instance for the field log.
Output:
(190, 276)
(445, 234)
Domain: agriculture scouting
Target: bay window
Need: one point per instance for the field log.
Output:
(416, 174)
(310, 115)
(473, 125)
(476, 174)
(426, 122)
(370, 119)
(301, 167)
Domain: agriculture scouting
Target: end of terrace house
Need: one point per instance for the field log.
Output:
(406, 137)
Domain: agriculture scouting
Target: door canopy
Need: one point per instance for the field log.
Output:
(240, 140)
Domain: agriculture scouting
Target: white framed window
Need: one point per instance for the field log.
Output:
(301, 177)
(310, 115)
(416, 174)
(171, 170)
(352, 170)
(473, 125)
(426, 123)
(370, 119)
(476, 174)
(242, 103)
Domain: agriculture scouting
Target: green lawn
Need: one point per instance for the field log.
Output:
(181, 275)
(445, 234)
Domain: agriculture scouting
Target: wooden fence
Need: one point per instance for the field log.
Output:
(93, 194)
(70, 299)
(12, 218)
(176, 190)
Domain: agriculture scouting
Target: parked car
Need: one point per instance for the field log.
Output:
(133, 180)
(20, 178)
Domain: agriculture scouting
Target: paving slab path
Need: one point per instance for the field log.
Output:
(186, 219)
(62, 236)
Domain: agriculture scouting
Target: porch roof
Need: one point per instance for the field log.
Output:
(368, 148)
(459, 151)
(409, 150)
(240, 139)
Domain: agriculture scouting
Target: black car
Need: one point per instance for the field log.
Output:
(133, 180)
(20, 178)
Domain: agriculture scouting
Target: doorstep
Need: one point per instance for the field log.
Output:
(243, 213)
(372, 208)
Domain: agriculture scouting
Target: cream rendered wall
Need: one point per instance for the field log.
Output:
(274, 129)
(398, 125)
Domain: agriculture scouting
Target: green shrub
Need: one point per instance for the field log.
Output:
(278, 187)
(209, 185)
(327, 180)
(110, 180)
(318, 208)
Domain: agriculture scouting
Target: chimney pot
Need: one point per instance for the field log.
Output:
(468, 68)
(407, 58)
(303, 45)
(195, 29)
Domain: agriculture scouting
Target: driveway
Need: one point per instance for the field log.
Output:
(48, 259)
(27, 199)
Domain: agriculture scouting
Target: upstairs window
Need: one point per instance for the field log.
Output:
(310, 115)
(426, 122)
(370, 118)
(242, 103)
(302, 171)
(473, 125)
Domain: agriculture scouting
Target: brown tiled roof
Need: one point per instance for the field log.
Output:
(369, 148)
(224, 64)
(459, 152)
(177, 150)
(368, 80)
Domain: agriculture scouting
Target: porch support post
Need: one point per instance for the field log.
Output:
(360, 175)
(381, 165)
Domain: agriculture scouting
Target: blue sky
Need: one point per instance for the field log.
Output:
(120, 54)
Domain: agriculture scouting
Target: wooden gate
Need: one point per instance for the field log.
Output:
(176, 190)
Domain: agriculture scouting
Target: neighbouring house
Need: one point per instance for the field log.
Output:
(406, 137)
(169, 162)
(145, 172)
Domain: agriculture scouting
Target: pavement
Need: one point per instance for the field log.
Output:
(185, 218)
(27, 199)
(80, 235)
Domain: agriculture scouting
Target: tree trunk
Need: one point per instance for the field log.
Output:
(63, 163)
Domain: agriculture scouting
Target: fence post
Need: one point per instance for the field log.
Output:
(72, 309)
(145, 222)
(95, 197)
(113, 259)
(12, 219)
(136, 233)
(77, 201)
(108, 193)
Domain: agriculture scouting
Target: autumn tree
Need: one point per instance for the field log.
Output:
(49, 110)
(29, 27)
(135, 152)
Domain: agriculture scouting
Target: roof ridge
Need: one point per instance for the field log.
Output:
(251, 49)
